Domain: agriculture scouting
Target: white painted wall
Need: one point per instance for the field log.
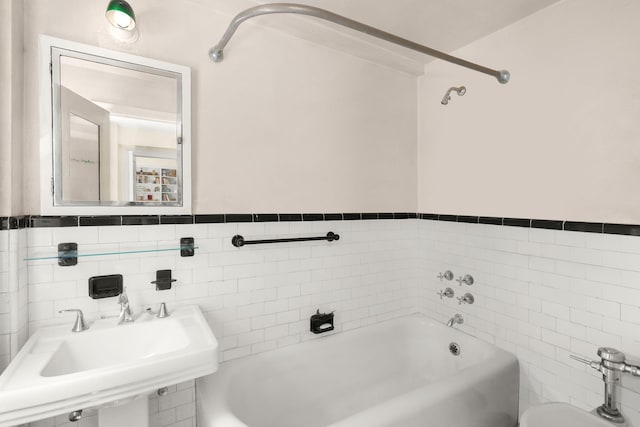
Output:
(281, 125)
(11, 102)
(560, 141)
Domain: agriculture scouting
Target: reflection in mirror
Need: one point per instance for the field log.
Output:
(117, 131)
(81, 160)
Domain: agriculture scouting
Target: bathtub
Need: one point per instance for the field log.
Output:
(397, 373)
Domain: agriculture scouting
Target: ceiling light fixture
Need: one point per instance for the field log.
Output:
(120, 14)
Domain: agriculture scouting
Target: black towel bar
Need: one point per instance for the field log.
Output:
(238, 241)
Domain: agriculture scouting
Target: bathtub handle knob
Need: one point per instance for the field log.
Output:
(446, 293)
(467, 280)
(466, 298)
(446, 275)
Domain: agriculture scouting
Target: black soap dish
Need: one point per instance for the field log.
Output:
(321, 322)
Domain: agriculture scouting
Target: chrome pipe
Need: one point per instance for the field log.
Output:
(216, 53)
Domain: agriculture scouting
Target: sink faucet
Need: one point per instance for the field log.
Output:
(126, 316)
(455, 319)
(79, 324)
(612, 365)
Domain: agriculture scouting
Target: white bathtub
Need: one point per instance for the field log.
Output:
(397, 373)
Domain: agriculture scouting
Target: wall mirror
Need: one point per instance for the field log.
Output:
(116, 132)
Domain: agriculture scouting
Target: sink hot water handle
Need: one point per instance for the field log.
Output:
(79, 324)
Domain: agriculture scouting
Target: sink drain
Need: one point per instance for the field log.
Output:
(454, 348)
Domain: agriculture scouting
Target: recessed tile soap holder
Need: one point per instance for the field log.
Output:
(321, 322)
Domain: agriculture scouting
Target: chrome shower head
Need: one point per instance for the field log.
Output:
(447, 96)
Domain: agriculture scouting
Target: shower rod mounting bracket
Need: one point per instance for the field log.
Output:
(216, 53)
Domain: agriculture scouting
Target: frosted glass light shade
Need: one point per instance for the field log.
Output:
(120, 14)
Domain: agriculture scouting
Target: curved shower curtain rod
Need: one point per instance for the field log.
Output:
(216, 53)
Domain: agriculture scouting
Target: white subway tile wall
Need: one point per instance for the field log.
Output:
(13, 294)
(255, 298)
(5, 309)
(543, 295)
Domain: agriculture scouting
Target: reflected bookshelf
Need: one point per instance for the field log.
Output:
(155, 185)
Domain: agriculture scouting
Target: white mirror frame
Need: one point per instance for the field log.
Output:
(47, 206)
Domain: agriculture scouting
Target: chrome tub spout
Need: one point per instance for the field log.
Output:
(455, 319)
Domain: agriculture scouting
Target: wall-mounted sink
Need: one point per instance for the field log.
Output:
(58, 371)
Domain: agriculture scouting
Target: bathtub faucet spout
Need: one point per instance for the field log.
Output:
(455, 319)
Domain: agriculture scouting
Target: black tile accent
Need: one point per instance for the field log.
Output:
(351, 216)
(53, 221)
(516, 222)
(209, 219)
(35, 221)
(586, 227)
(468, 219)
(100, 220)
(12, 222)
(176, 219)
(491, 220)
(333, 217)
(140, 220)
(238, 218)
(627, 229)
(265, 218)
(400, 215)
(546, 224)
(290, 217)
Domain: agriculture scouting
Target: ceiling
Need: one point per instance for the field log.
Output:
(444, 25)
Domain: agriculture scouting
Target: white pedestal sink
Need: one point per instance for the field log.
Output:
(59, 371)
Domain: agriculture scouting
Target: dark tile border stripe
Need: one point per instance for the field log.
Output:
(208, 219)
(100, 220)
(490, 220)
(469, 219)
(516, 222)
(546, 224)
(630, 230)
(587, 227)
(36, 221)
(141, 220)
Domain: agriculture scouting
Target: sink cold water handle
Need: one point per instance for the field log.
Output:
(79, 324)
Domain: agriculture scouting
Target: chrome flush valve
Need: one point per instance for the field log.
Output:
(612, 365)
